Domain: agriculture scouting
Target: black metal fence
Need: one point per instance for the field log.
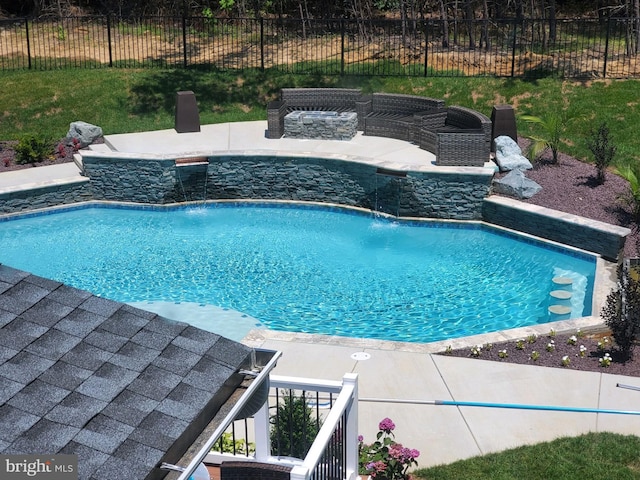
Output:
(570, 48)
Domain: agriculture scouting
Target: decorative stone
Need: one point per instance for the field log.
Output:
(509, 155)
(321, 125)
(85, 133)
(515, 184)
(562, 280)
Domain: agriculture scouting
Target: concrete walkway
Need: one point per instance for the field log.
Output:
(401, 371)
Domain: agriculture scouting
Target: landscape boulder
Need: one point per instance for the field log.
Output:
(509, 155)
(84, 132)
(515, 184)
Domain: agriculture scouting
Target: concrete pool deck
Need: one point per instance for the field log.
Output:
(402, 371)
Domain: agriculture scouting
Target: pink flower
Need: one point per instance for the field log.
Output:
(386, 425)
(360, 439)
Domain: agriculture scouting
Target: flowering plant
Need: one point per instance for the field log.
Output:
(385, 458)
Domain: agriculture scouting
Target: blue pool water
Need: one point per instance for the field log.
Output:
(304, 269)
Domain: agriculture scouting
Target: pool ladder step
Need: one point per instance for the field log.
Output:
(561, 295)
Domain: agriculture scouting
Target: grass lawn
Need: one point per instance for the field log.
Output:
(127, 100)
(595, 456)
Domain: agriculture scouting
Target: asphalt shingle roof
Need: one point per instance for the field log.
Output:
(118, 386)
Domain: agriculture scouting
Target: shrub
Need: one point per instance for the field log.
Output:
(632, 196)
(621, 312)
(32, 150)
(551, 126)
(603, 149)
(293, 428)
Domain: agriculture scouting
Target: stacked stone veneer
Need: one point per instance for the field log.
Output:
(321, 125)
(236, 177)
(592, 235)
(33, 197)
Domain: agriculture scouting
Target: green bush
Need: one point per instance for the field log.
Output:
(32, 150)
(293, 428)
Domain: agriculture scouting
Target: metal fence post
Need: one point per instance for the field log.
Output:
(261, 43)
(26, 27)
(606, 48)
(513, 48)
(109, 40)
(184, 40)
(426, 46)
(342, 46)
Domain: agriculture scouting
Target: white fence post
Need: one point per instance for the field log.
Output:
(351, 468)
(262, 434)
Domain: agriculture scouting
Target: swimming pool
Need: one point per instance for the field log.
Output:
(303, 269)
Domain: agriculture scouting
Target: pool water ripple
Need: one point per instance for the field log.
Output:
(303, 269)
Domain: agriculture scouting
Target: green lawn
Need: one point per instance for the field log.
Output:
(595, 456)
(127, 100)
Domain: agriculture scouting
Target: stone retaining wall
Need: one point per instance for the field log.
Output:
(43, 196)
(413, 194)
(592, 235)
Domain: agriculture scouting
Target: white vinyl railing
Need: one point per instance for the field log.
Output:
(334, 451)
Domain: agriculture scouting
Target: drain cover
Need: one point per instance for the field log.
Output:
(360, 356)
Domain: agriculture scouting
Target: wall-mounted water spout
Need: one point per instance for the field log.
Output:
(192, 175)
(388, 191)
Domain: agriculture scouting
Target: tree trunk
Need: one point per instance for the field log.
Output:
(445, 24)
(469, 15)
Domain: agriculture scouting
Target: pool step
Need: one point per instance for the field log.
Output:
(561, 295)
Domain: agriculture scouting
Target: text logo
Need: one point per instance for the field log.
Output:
(39, 467)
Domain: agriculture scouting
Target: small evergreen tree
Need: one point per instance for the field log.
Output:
(603, 149)
(293, 428)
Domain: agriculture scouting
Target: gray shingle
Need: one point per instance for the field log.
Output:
(100, 306)
(4, 286)
(166, 326)
(80, 322)
(8, 388)
(47, 312)
(45, 436)
(228, 352)
(69, 296)
(87, 356)
(24, 367)
(135, 357)
(76, 410)
(15, 422)
(11, 275)
(130, 408)
(26, 292)
(65, 375)
(177, 360)
(104, 434)
(159, 430)
(185, 402)
(151, 339)
(125, 323)
(53, 344)
(6, 353)
(89, 460)
(155, 383)
(140, 454)
(208, 372)
(6, 317)
(45, 283)
(196, 340)
(117, 468)
(106, 340)
(107, 382)
(38, 397)
(19, 333)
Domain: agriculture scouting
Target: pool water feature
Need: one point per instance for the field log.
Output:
(303, 269)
